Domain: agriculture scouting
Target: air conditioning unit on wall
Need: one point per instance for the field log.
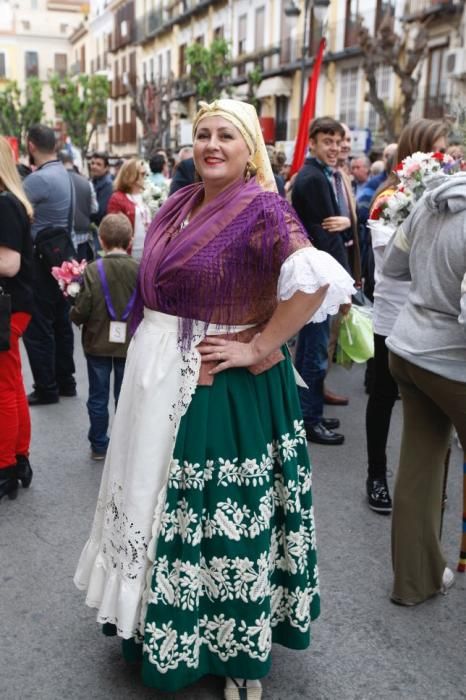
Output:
(455, 63)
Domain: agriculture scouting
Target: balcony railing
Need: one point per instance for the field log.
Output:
(415, 8)
(158, 21)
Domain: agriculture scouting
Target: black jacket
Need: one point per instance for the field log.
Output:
(103, 188)
(314, 200)
(184, 175)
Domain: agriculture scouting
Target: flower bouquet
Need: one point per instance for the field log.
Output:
(154, 196)
(414, 174)
(70, 276)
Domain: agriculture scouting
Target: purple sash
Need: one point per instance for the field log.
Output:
(108, 299)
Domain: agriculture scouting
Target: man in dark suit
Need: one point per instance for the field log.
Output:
(318, 199)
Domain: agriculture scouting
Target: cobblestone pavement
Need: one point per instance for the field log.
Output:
(364, 647)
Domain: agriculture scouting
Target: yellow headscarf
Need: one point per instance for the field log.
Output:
(244, 117)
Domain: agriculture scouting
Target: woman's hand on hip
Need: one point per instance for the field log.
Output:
(228, 353)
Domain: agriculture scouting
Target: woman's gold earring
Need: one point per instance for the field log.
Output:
(250, 170)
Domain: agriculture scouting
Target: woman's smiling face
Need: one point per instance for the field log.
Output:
(220, 152)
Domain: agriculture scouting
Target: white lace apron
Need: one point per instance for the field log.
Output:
(158, 385)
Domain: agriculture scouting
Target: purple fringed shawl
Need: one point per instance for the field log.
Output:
(223, 266)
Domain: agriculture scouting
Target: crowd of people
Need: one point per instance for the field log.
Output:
(203, 548)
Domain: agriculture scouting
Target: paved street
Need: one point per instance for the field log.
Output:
(364, 647)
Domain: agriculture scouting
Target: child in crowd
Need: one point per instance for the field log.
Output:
(102, 307)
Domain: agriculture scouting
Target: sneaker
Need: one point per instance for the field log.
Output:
(448, 579)
(98, 456)
(378, 496)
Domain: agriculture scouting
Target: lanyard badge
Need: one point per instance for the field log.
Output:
(117, 329)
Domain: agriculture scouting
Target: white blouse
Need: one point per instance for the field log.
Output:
(309, 269)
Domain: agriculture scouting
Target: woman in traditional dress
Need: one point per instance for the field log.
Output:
(202, 551)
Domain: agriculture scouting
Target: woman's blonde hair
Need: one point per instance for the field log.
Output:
(9, 177)
(128, 175)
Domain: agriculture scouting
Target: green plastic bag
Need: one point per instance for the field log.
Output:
(356, 337)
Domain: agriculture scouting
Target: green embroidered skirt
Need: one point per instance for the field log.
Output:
(235, 567)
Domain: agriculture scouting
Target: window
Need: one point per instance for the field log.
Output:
(160, 66)
(200, 40)
(436, 88)
(384, 86)
(349, 96)
(281, 117)
(287, 43)
(151, 69)
(32, 64)
(219, 33)
(259, 29)
(351, 23)
(26, 25)
(33, 4)
(316, 32)
(242, 32)
(144, 72)
(384, 7)
(2, 66)
(182, 60)
(60, 65)
(169, 63)
(63, 28)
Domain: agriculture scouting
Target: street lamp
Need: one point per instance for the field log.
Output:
(319, 8)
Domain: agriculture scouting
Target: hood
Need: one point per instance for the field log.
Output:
(447, 193)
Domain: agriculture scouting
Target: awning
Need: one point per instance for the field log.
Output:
(278, 85)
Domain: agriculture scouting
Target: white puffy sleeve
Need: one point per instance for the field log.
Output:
(307, 270)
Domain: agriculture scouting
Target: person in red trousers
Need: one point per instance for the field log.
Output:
(15, 280)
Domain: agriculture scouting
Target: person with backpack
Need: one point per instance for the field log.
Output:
(49, 337)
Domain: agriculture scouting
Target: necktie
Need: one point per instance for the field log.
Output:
(340, 194)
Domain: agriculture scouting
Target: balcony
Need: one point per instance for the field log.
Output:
(420, 9)
(158, 21)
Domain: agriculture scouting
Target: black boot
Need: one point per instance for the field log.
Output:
(8, 482)
(24, 470)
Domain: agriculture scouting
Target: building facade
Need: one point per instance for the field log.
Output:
(141, 45)
(34, 42)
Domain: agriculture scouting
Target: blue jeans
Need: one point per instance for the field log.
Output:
(99, 370)
(312, 364)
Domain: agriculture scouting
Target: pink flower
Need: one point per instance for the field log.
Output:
(412, 168)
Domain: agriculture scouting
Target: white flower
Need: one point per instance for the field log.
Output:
(73, 289)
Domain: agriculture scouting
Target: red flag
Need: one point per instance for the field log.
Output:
(308, 111)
